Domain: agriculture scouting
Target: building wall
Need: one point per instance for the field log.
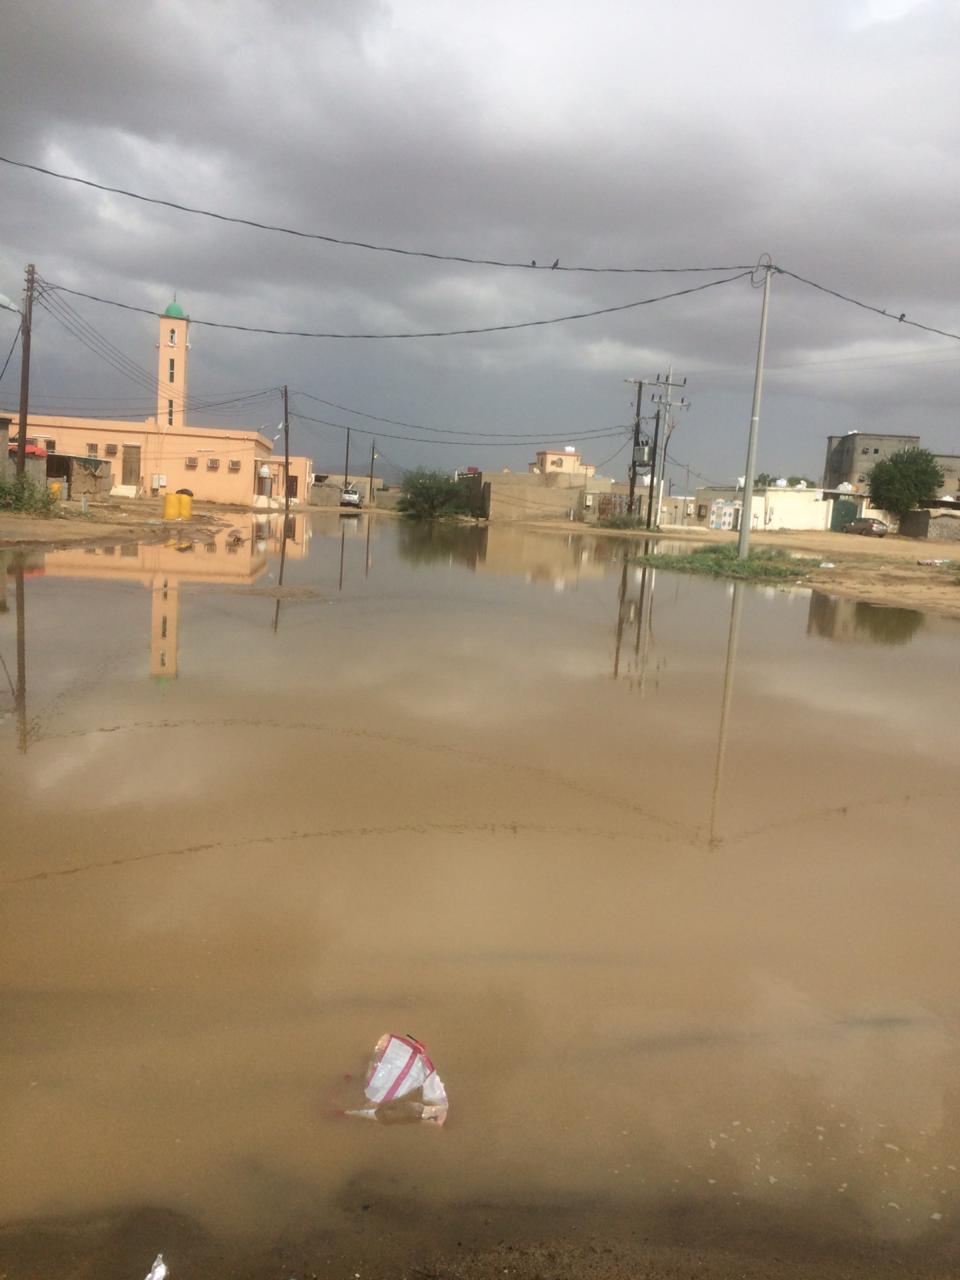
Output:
(850, 458)
(523, 496)
(772, 508)
(557, 461)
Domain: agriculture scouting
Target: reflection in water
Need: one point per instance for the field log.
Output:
(838, 618)
(465, 829)
(13, 565)
(426, 542)
(729, 671)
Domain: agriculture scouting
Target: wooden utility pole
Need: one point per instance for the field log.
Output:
(636, 449)
(26, 321)
(373, 454)
(653, 468)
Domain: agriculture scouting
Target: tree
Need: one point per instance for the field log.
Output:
(793, 481)
(765, 479)
(904, 480)
(431, 495)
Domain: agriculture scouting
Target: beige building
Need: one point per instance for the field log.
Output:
(159, 455)
(566, 462)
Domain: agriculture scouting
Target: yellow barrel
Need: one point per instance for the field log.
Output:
(186, 505)
(171, 506)
(55, 490)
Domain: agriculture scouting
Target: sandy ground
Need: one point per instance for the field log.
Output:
(114, 520)
(880, 571)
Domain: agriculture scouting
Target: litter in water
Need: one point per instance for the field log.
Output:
(159, 1270)
(827, 564)
(402, 1084)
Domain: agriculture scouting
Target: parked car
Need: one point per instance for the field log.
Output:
(866, 525)
(350, 497)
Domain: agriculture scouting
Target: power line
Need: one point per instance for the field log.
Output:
(431, 333)
(501, 442)
(867, 306)
(13, 347)
(521, 436)
(353, 244)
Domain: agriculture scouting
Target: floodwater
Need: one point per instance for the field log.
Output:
(663, 872)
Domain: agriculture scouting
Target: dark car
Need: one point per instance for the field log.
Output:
(868, 526)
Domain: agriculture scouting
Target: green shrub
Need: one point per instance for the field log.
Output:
(904, 480)
(431, 495)
(24, 494)
(622, 522)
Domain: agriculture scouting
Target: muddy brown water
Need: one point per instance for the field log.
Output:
(663, 873)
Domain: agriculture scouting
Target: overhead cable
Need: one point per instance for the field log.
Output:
(13, 347)
(353, 244)
(432, 333)
(867, 306)
(521, 436)
(460, 444)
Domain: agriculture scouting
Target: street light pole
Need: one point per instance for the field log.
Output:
(746, 511)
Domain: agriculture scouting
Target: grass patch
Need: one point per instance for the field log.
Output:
(621, 522)
(766, 564)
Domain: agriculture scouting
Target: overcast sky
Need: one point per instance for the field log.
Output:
(613, 133)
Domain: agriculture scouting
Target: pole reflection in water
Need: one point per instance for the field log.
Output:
(641, 609)
(283, 564)
(729, 669)
(21, 695)
(366, 562)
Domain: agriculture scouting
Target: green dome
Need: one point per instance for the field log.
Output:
(175, 311)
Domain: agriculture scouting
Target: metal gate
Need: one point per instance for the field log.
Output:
(844, 510)
(131, 464)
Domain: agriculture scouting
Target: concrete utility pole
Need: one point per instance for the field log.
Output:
(26, 322)
(286, 459)
(346, 465)
(746, 511)
(664, 406)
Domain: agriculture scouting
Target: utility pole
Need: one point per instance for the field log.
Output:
(286, 460)
(746, 511)
(346, 465)
(373, 454)
(663, 428)
(653, 465)
(634, 463)
(26, 322)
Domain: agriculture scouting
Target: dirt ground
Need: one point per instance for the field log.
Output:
(111, 520)
(387, 1240)
(880, 571)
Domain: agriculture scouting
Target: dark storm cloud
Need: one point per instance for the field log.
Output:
(821, 132)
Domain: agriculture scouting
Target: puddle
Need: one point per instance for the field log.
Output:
(661, 868)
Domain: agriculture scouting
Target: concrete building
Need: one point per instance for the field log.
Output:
(159, 455)
(566, 462)
(850, 459)
(773, 508)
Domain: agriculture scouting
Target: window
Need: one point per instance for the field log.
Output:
(213, 464)
(32, 440)
(191, 464)
(50, 446)
(92, 451)
(234, 464)
(171, 364)
(169, 413)
(876, 451)
(173, 337)
(110, 450)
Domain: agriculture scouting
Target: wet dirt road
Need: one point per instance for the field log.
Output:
(664, 874)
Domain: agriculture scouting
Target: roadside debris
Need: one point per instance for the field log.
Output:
(827, 564)
(937, 563)
(402, 1084)
(159, 1270)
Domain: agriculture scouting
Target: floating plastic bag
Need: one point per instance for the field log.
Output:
(403, 1085)
(159, 1270)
